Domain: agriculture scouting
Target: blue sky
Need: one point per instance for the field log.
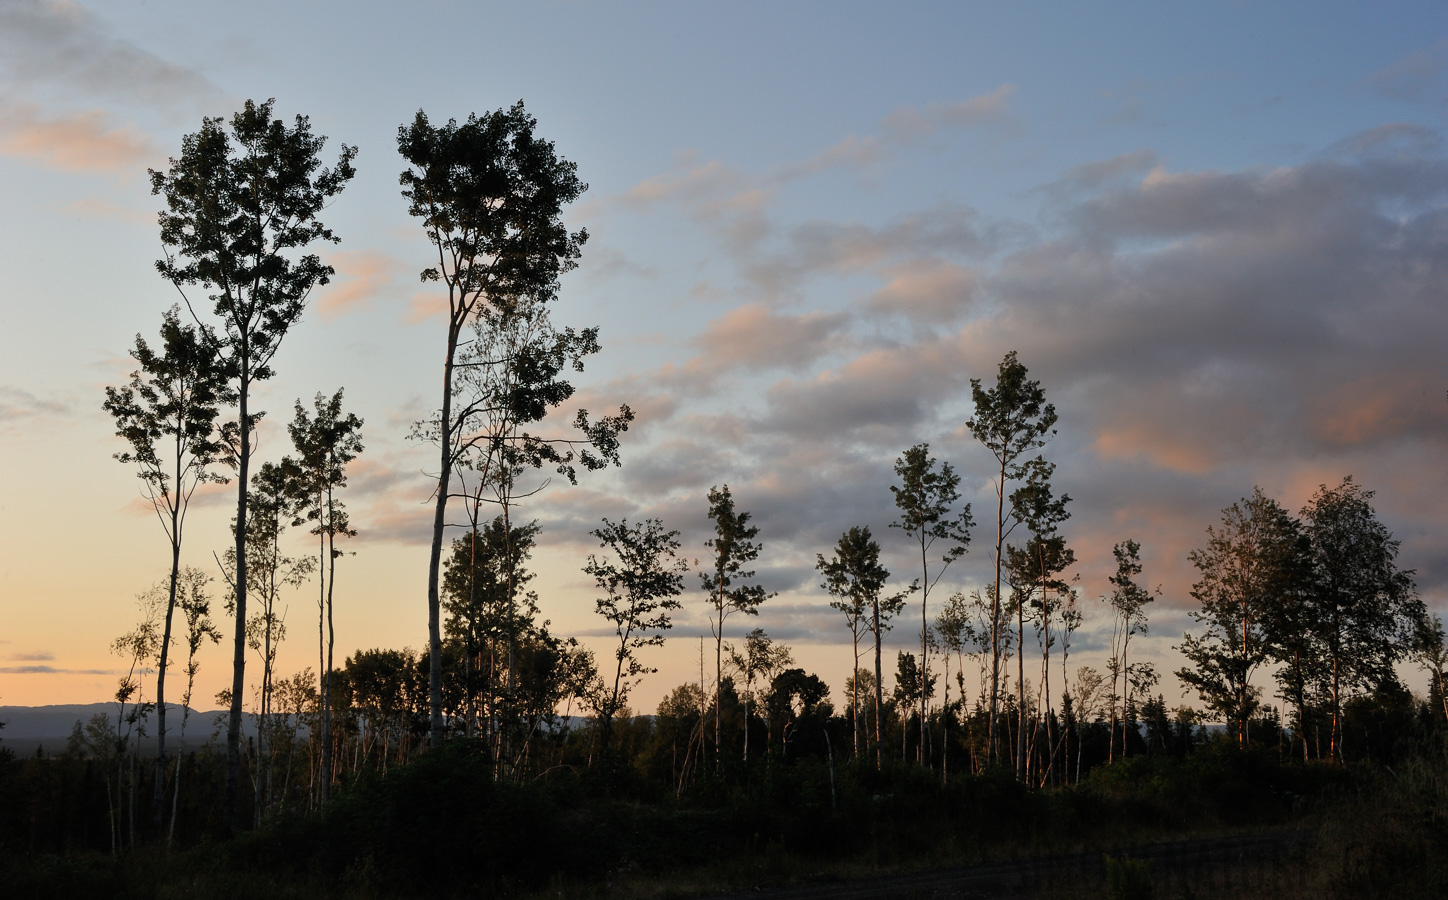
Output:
(1216, 234)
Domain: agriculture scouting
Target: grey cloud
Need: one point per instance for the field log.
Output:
(1403, 142)
(19, 407)
(909, 124)
(31, 657)
(948, 231)
(1412, 75)
(51, 670)
(56, 43)
(1257, 204)
(1093, 175)
(902, 128)
(1199, 332)
(758, 338)
(927, 292)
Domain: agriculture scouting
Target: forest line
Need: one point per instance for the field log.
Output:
(1317, 599)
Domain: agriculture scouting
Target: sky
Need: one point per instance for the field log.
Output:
(1216, 234)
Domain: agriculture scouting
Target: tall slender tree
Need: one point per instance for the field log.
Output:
(275, 504)
(641, 579)
(726, 580)
(925, 497)
(1011, 419)
(1034, 579)
(1128, 605)
(854, 577)
(167, 414)
(195, 604)
(242, 206)
(325, 444)
(490, 195)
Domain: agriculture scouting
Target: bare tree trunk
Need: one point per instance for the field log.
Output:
(879, 691)
(238, 658)
(995, 614)
(855, 691)
(1021, 690)
(1046, 661)
(159, 796)
(1125, 685)
(718, 668)
(924, 640)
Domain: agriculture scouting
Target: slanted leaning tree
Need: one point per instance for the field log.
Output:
(925, 497)
(490, 195)
(1011, 419)
(854, 577)
(167, 414)
(641, 578)
(725, 581)
(241, 209)
(325, 444)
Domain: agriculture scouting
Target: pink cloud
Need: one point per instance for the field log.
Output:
(1139, 439)
(424, 306)
(930, 290)
(363, 275)
(754, 335)
(79, 142)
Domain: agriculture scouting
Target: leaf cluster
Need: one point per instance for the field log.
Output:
(238, 202)
(170, 407)
(734, 547)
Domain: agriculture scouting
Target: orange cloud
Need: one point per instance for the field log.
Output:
(1368, 410)
(932, 290)
(80, 142)
(755, 335)
(1142, 441)
(424, 306)
(363, 276)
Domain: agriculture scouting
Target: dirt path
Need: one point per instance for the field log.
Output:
(1026, 877)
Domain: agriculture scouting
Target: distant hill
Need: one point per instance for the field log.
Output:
(30, 727)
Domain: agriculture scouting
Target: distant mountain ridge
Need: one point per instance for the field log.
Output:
(29, 727)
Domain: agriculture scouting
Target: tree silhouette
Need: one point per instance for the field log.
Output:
(240, 208)
(1251, 561)
(1128, 604)
(167, 414)
(924, 497)
(1036, 566)
(641, 578)
(724, 581)
(1010, 419)
(1365, 611)
(325, 444)
(490, 196)
(855, 578)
